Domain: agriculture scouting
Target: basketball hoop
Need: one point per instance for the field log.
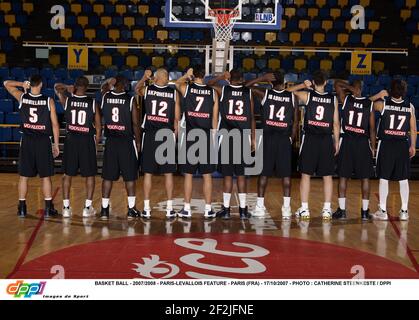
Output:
(224, 20)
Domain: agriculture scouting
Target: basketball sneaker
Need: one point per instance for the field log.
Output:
(170, 214)
(210, 214)
(104, 213)
(244, 213)
(132, 213)
(259, 212)
(380, 215)
(326, 214)
(224, 213)
(286, 213)
(146, 213)
(67, 213)
(89, 212)
(22, 211)
(50, 212)
(404, 215)
(339, 214)
(303, 214)
(365, 215)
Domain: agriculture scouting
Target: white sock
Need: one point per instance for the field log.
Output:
(147, 205)
(242, 200)
(226, 200)
(404, 194)
(327, 206)
(342, 203)
(169, 205)
(383, 191)
(208, 207)
(131, 202)
(287, 202)
(66, 203)
(187, 206)
(304, 205)
(260, 202)
(105, 203)
(365, 205)
(88, 203)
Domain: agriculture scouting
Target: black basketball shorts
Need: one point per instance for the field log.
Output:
(393, 160)
(277, 155)
(80, 155)
(35, 156)
(317, 155)
(150, 161)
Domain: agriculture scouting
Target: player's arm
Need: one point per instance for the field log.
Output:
(341, 87)
(98, 122)
(216, 111)
(55, 129)
(107, 85)
(182, 82)
(259, 92)
(297, 90)
(12, 87)
(214, 82)
(252, 112)
(267, 78)
(373, 132)
(178, 113)
(336, 126)
(140, 87)
(379, 96)
(60, 90)
(413, 133)
(296, 121)
(136, 124)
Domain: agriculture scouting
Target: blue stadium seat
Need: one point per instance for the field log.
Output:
(1, 117)
(58, 107)
(48, 92)
(3, 93)
(374, 89)
(6, 105)
(31, 71)
(17, 72)
(4, 73)
(75, 73)
(61, 73)
(411, 91)
(370, 80)
(384, 80)
(94, 21)
(110, 73)
(16, 134)
(5, 134)
(47, 73)
(415, 101)
(12, 118)
(101, 34)
(21, 19)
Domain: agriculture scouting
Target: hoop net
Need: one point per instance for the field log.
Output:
(224, 20)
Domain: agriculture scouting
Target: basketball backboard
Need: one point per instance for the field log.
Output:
(254, 14)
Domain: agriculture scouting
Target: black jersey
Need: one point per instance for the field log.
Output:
(80, 114)
(35, 114)
(235, 108)
(319, 113)
(278, 111)
(395, 120)
(199, 102)
(160, 106)
(355, 119)
(117, 114)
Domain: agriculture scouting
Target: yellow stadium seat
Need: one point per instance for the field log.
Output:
(313, 12)
(249, 64)
(143, 9)
(90, 34)
(335, 13)
(300, 64)
(343, 38)
(367, 39)
(157, 62)
(83, 21)
(66, 34)
(295, 37)
(152, 22)
(138, 35)
(309, 54)
(98, 50)
(326, 65)
(162, 35)
(28, 7)
(299, 3)
(5, 7)
(415, 40)
(274, 64)
(327, 25)
(121, 9)
(405, 14)
(365, 3)
(343, 3)
(113, 1)
(148, 51)
(129, 21)
(378, 66)
(290, 12)
(321, 3)
(270, 37)
(184, 62)
(10, 19)
(114, 34)
(304, 24)
(106, 60)
(99, 9)
(106, 21)
(260, 51)
(2, 58)
(132, 61)
(348, 26)
(15, 32)
(410, 3)
(373, 26)
(76, 8)
(122, 51)
(54, 60)
(319, 38)
(283, 24)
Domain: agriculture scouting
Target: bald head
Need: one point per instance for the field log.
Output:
(161, 77)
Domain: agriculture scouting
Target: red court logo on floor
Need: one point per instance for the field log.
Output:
(204, 256)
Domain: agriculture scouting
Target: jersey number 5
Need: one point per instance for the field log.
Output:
(33, 116)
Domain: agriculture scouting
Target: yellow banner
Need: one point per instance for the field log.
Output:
(78, 57)
(361, 63)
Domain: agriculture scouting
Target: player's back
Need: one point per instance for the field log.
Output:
(35, 114)
(160, 105)
(117, 114)
(235, 107)
(198, 104)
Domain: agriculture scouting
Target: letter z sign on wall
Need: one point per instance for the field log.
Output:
(78, 58)
(361, 63)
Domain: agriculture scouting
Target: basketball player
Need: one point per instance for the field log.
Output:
(320, 143)
(83, 132)
(200, 112)
(280, 124)
(162, 111)
(36, 156)
(357, 144)
(236, 112)
(122, 132)
(394, 150)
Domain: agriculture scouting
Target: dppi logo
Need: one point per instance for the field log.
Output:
(27, 290)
